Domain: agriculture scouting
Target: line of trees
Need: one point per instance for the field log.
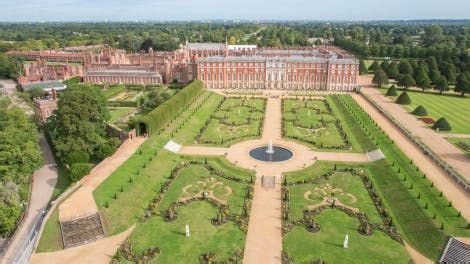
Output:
(425, 74)
(19, 157)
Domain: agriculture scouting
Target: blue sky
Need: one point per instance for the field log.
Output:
(119, 10)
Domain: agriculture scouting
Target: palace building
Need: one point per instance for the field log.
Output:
(278, 72)
(218, 65)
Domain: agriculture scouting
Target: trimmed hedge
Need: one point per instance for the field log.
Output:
(165, 112)
(404, 99)
(392, 91)
(420, 111)
(442, 124)
(124, 103)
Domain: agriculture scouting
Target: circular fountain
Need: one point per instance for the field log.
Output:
(271, 153)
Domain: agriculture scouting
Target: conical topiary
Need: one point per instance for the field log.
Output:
(403, 99)
(392, 91)
(420, 111)
(442, 125)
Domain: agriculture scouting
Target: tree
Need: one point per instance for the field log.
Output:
(392, 91)
(392, 70)
(449, 71)
(442, 125)
(146, 45)
(384, 65)
(420, 111)
(380, 78)
(405, 67)
(435, 76)
(375, 66)
(463, 85)
(362, 68)
(80, 121)
(432, 63)
(422, 79)
(442, 85)
(406, 81)
(403, 98)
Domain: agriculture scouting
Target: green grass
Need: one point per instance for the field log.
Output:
(117, 113)
(454, 108)
(415, 222)
(347, 182)
(236, 119)
(312, 122)
(327, 244)
(51, 238)
(170, 238)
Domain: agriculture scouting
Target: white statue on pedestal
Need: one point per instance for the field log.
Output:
(187, 231)
(346, 241)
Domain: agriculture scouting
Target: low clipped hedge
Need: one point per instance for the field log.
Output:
(403, 99)
(165, 112)
(420, 111)
(442, 124)
(124, 103)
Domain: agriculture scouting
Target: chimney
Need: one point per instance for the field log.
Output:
(54, 94)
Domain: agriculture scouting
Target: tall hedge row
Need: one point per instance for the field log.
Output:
(170, 108)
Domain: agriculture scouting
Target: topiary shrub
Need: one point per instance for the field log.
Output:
(442, 125)
(420, 111)
(392, 91)
(78, 170)
(403, 99)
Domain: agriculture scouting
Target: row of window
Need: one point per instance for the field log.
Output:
(280, 86)
(276, 77)
(277, 65)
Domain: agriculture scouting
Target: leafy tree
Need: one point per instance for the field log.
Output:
(404, 99)
(432, 63)
(392, 70)
(78, 156)
(449, 71)
(435, 76)
(422, 79)
(405, 67)
(146, 45)
(78, 170)
(380, 78)
(362, 68)
(463, 85)
(384, 65)
(406, 81)
(80, 121)
(19, 157)
(374, 67)
(442, 85)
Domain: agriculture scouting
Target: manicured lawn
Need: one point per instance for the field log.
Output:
(117, 113)
(352, 193)
(417, 208)
(327, 244)
(175, 247)
(235, 119)
(455, 109)
(313, 122)
(51, 238)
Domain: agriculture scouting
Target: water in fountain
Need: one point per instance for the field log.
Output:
(270, 149)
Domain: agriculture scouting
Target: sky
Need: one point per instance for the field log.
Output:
(139, 10)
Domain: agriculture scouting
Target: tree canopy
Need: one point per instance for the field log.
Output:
(79, 122)
(19, 157)
(380, 78)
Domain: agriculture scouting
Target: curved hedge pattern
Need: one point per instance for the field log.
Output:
(157, 118)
